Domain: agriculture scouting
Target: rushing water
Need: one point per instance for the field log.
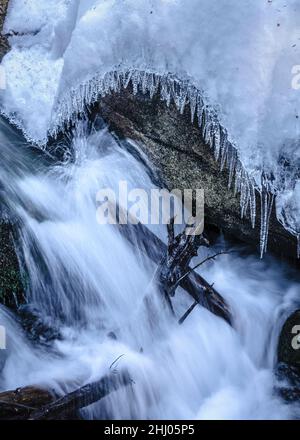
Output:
(87, 282)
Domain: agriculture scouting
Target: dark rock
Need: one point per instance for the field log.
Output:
(176, 148)
(11, 285)
(288, 367)
(4, 45)
(38, 327)
(289, 341)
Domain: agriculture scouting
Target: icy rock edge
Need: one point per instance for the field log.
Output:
(73, 105)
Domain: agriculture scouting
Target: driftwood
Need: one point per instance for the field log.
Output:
(20, 403)
(288, 356)
(82, 397)
(174, 264)
(32, 403)
(174, 269)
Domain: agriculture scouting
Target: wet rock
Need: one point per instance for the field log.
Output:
(176, 147)
(11, 283)
(4, 46)
(288, 368)
(38, 327)
(289, 341)
(18, 404)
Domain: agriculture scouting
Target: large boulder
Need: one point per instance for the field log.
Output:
(176, 147)
(4, 46)
(288, 365)
(289, 341)
(11, 286)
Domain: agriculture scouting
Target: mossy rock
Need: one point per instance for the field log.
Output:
(11, 286)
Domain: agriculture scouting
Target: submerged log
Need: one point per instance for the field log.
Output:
(82, 397)
(19, 403)
(193, 283)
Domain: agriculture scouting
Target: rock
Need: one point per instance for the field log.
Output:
(289, 341)
(18, 404)
(4, 46)
(288, 367)
(176, 147)
(38, 327)
(11, 287)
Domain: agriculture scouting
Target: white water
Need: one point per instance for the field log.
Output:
(88, 281)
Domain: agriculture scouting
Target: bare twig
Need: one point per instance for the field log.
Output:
(187, 313)
(211, 257)
(116, 360)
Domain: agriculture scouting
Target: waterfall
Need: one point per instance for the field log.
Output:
(88, 284)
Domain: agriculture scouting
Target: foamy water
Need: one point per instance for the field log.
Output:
(88, 281)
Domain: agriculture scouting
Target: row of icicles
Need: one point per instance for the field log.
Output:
(182, 93)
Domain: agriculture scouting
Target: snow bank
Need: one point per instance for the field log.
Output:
(237, 56)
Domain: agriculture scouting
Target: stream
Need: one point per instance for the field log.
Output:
(87, 283)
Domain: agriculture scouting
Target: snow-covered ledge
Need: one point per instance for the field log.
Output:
(235, 75)
(177, 149)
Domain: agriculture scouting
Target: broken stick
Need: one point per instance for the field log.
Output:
(194, 284)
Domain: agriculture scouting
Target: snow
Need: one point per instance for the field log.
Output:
(27, 15)
(237, 57)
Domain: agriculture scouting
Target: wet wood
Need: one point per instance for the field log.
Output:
(168, 257)
(19, 403)
(82, 397)
(33, 403)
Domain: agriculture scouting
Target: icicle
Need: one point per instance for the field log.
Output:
(271, 199)
(206, 128)
(152, 88)
(263, 220)
(127, 78)
(267, 200)
(244, 200)
(217, 143)
(223, 151)
(116, 82)
(237, 183)
(145, 83)
(298, 246)
(157, 81)
(182, 102)
(179, 93)
(200, 112)
(165, 92)
(192, 96)
(232, 165)
(75, 101)
(135, 82)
